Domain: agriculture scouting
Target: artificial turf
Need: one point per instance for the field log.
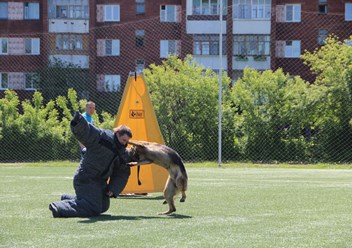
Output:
(225, 207)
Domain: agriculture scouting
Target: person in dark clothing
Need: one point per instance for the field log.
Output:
(106, 157)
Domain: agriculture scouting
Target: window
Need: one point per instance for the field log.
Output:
(4, 45)
(208, 45)
(208, 7)
(4, 80)
(169, 47)
(322, 35)
(139, 65)
(69, 9)
(76, 42)
(112, 47)
(3, 10)
(112, 13)
(251, 9)
(251, 45)
(32, 81)
(168, 13)
(292, 49)
(323, 6)
(31, 11)
(139, 38)
(69, 42)
(112, 83)
(61, 11)
(140, 7)
(293, 12)
(32, 46)
(348, 11)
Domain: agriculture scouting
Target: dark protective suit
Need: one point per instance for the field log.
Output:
(105, 157)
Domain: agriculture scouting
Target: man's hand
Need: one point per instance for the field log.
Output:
(110, 194)
(76, 118)
(130, 164)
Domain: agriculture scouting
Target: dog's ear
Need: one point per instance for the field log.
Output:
(136, 143)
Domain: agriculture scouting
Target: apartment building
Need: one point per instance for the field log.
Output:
(109, 38)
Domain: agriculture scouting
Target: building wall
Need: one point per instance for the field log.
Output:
(306, 31)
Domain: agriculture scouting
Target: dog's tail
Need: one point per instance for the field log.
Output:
(176, 159)
(182, 179)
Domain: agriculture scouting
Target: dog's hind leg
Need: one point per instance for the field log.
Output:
(181, 183)
(169, 194)
(183, 198)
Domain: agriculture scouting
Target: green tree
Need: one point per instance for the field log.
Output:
(42, 131)
(185, 99)
(270, 111)
(332, 65)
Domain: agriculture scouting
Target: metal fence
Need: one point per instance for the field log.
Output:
(46, 76)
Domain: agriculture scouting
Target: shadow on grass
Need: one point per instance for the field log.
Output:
(107, 217)
(140, 197)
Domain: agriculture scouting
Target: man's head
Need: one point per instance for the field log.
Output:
(123, 134)
(90, 108)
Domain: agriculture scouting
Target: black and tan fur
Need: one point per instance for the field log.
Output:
(149, 152)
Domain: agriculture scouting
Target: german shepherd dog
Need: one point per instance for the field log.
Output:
(149, 152)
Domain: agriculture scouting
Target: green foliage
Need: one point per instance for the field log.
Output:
(185, 99)
(270, 111)
(42, 131)
(332, 64)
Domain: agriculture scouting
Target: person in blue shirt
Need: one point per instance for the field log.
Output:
(90, 110)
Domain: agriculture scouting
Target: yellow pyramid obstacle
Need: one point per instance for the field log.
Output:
(136, 111)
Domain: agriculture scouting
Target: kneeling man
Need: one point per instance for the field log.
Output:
(106, 157)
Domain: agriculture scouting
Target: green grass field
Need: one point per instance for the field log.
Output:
(226, 207)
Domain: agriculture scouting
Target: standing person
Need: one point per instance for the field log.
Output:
(90, 110)
(88, 115)
(106, 157)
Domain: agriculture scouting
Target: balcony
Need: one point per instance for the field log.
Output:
(68, 25)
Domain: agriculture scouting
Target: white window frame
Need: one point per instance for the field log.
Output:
(208, 7)
(115, 47)
(2, 52)
(35, 46)
(31, 12)
(296, 12)
(165, 15)
(292, 50)
(348, 11)
(33, 77)
(76, 42)
(70, 41)
(252, 9)
(109, 11)
(140, 37)
(323, 6)
(251, 45)
(140, 65)
(208, 45)
(112, 83)
(1, 83)
(322, 35)
(168, 47)
(140, 7)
